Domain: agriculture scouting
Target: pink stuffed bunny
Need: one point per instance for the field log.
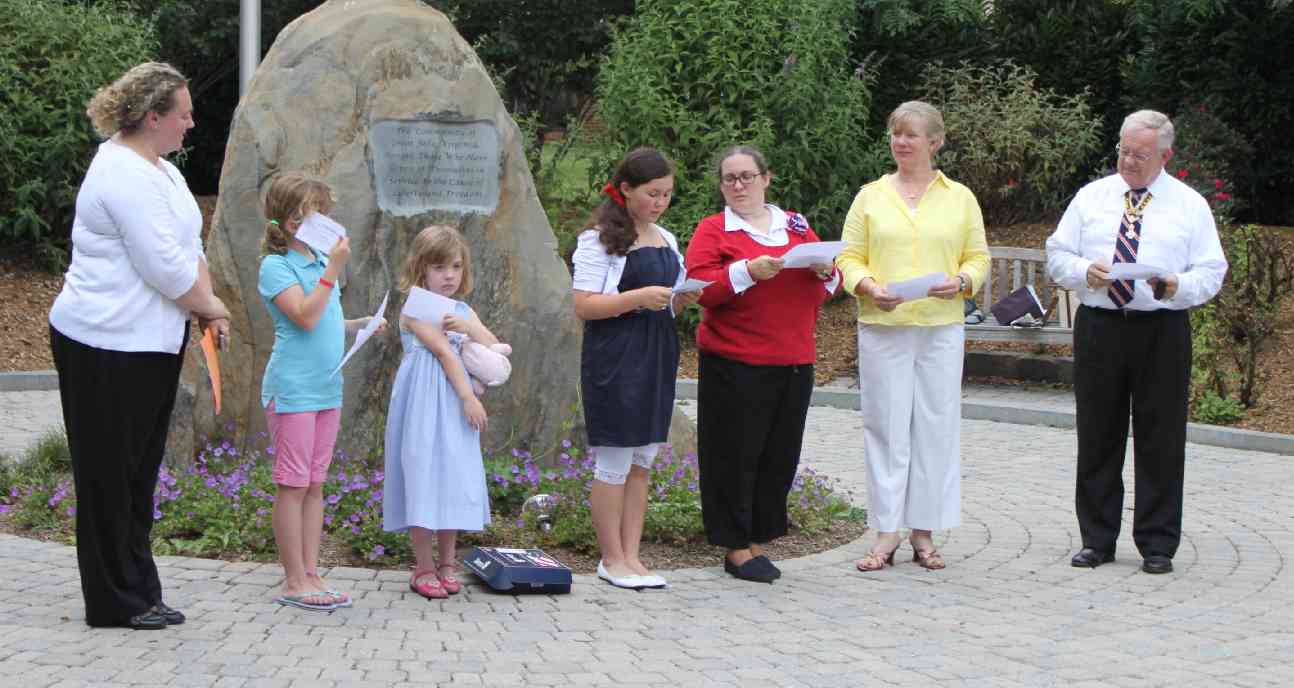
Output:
(488, 366)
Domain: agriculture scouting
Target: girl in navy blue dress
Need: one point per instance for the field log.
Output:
(626, 270)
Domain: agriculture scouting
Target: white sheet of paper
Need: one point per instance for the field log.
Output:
(816, 253)
(427, 306)
(691, 285)
(1135, 271)
(320, 232)
(363, 335)
(915, 288)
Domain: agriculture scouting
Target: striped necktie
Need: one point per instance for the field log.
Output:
(1125, 246)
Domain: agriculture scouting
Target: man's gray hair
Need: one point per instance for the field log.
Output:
(1157, 122)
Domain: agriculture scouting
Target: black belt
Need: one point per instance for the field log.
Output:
(1130, 314)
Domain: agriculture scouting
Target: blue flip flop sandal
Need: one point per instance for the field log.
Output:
(301, 602)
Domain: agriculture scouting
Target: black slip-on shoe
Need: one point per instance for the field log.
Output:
(1157, 563)
(770, 566)
(752, 570)
(151, 620)
(1091, 558)
(174, 617)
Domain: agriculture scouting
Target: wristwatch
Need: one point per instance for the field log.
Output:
(961, 282)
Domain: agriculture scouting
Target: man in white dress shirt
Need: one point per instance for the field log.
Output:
(1132, 337)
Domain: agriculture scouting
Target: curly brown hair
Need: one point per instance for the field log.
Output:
(615, 227)
(292, 196)
(436, 245)
(144, 88)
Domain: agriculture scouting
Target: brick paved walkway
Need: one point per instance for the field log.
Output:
(1009, 610)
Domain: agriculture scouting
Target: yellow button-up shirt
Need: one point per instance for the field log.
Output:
(889, 242)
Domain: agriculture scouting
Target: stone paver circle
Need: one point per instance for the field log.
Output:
(1009, 610)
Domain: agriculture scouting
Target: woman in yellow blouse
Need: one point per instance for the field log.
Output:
(912, 223)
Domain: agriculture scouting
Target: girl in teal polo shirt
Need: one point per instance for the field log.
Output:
(302, 401)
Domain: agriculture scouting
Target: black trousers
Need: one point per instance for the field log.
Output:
(117, 409)
(1142, 360)
(750, 427)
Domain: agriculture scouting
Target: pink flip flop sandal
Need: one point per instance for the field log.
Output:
(427, 583)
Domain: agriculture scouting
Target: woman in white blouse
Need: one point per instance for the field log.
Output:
(626, 270)
(118, 330)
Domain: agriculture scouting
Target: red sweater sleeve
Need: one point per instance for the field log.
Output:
(707, 259)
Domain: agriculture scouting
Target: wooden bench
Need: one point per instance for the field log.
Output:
(1010, 269)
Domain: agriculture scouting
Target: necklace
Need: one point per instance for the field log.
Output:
(903, 187)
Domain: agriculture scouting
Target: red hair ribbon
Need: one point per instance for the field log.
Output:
(614, 194)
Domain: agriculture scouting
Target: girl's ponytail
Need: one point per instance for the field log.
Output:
(292, 196)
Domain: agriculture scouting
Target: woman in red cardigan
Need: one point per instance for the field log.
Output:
(756, 364)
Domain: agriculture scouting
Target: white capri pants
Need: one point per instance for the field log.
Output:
(613, 463)
(910, 388)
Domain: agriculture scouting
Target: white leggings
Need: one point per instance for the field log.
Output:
(613, 462)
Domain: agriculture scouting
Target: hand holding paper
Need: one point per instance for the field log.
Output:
(691, 285)
(320, 232)
(814, 253)
(364, 334)
(915, 288)
(427, 306)
(1135, 271)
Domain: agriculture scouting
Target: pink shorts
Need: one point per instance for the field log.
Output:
(303, 444)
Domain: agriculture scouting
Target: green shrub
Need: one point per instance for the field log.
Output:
(1206, 154)
(1236, 56)
(53, 56)
(35, 488)
(1215, 410)
(695, 78)
(1019, 148)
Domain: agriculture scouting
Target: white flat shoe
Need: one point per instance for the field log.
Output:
(626, 582)
(652, 580)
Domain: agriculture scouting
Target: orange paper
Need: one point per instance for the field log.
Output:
(213, 364)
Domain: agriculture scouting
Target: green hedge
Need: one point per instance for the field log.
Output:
(53, 57)
(694, 78)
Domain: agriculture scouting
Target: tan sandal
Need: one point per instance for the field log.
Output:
(876, 560)
(929, 559)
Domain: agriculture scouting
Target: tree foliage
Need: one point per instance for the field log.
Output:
(1019, 147)
(53, 57)
(677, 78)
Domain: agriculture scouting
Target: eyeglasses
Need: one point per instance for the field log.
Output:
(746, 179)
(1120, 152)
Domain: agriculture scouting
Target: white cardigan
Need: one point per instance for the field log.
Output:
(136, 242)
(599, 272)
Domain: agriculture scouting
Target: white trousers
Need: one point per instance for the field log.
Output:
(910, 386)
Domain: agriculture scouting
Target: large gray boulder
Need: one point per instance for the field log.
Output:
(387, 103)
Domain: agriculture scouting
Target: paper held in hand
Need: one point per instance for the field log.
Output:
(915, 288)
(814, 253)
(427, 306)
(320, 232)
(691, 285)
(1135, 271)
(213, 364)
(363, 335)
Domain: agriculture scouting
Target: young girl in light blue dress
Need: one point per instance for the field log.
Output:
(435, 478)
